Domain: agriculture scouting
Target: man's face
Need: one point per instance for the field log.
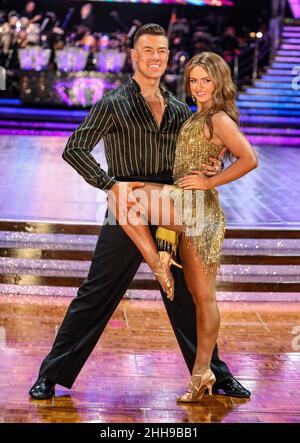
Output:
(30, 7)
(85, 10)
(151, 54)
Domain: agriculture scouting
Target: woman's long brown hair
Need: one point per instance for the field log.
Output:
(224, 95)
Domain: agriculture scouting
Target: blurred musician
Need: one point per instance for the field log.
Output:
(8, 36)
(30, 12)
(87, 20)
(84, 29)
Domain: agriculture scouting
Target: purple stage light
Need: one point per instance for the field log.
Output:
(180, 2)
(270, 131)
(71, 59)
(4, 131)
(7, 124)
(34, 57)
(43, 112)
(10, 101)
(104, 41)
(109, 60)
(92, 86)
(295, 7)
(61, 89)
(274, 140)
(270, 119)
(83, 91)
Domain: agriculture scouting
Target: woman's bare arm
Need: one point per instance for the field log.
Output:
(229, 134)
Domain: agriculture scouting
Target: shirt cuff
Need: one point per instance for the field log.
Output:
(107, 184)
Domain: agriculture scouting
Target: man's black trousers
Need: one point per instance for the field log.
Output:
(114, 265)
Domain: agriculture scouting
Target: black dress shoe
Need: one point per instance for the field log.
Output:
(231, 387)
(42, 389)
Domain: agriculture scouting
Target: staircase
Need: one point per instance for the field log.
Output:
(52, 259)
(270, 109)
(15, 119)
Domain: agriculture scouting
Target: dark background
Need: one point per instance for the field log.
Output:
(245, 15)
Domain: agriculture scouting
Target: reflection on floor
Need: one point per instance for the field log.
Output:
(136, 369)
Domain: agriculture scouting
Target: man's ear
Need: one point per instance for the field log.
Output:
(133, 54)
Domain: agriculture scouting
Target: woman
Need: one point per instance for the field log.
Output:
(193, 196)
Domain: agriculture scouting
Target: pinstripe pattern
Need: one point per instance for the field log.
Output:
(134, 144)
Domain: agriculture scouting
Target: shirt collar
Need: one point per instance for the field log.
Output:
(134, 84)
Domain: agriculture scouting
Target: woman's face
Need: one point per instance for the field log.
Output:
(201, 86)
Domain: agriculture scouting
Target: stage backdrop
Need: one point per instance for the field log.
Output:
(177, 2)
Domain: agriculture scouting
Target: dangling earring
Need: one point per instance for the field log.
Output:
(194, 99)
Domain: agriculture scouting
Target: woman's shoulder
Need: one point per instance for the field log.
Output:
(220, 117)
(222, 120)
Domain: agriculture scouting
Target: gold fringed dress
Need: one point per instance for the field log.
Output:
(205, 235)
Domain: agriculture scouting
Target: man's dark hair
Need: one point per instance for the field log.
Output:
(149, 28)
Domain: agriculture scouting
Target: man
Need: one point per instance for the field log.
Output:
(139, 123)
(30, 12)
(87, 20)
(8, 36)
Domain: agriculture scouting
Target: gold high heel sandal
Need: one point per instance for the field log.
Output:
(165, 278)
(197, 386)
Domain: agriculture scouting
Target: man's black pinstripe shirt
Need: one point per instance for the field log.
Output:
(134, 144)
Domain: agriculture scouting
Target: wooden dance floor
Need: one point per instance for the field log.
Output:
(136, 369)
(36, 184)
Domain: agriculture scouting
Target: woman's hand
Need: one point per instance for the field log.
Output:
(197, 180)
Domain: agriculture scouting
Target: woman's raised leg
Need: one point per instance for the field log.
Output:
(159, 211)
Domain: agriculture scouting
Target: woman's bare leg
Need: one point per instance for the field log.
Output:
(158, 211)
(202, 287)
(154, 198)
